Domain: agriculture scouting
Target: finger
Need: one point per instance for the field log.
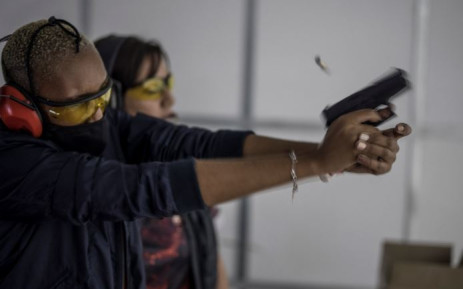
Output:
(389, 132)
(399, 131)
(364, 115)
(377, 152)
(384, 141)
(377, 167)
(359, 169)
(378, 139)
(386, 112)
(402, 129)
(368, 129)
(391, 106)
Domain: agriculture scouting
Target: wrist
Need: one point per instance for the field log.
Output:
(314, 163)
(321, 168)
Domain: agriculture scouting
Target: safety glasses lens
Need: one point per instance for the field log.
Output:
(79, 113)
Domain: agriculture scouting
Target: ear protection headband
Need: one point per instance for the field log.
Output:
(109, 47)
(18, 110)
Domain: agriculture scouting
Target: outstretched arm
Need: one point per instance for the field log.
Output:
(379, 149)
(256, 145)
(221, 180)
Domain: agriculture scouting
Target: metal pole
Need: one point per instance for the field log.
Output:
(247, 123)
(417, 111)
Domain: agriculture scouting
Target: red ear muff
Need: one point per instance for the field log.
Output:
(18, 112)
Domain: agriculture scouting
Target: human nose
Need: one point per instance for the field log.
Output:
(96, 116)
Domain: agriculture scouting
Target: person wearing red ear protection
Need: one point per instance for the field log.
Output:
(71, 197)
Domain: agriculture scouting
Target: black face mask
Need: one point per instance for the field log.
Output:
(85, 138)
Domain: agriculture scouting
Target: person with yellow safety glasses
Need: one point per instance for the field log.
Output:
(172, 246)
(77, 111)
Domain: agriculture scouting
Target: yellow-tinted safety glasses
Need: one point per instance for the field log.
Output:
(152, 88)
(80, 110)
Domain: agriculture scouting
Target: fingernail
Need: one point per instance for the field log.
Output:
(361, 146)
(385, 113)
(364, 137)
(362, 158)
(400, 127)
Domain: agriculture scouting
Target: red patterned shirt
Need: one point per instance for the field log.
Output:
(166, 254)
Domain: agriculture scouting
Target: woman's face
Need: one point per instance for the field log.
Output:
(160, 107)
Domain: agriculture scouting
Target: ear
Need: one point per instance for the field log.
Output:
(18, 111)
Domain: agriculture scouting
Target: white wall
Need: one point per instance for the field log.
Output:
(438, 210)
(445, 64)
(358, 40)
(331, 234)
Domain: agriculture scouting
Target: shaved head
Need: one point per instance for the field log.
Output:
(52, 48)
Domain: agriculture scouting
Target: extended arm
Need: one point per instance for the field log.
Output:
(256, 145)
(40, 183)
(79, 187)
(377, 156)
(147, 139)
(225, 179)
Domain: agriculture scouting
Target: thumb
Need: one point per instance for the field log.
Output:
(364, 115)
(399, 131)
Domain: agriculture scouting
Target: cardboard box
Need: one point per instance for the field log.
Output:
(396, 252)
(425, 276)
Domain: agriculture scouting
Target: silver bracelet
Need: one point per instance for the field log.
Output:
(293, 157)
(324, 178)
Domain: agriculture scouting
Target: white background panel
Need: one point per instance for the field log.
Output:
(331, 233)
(358, 40)
(437, 210)
(444, 95)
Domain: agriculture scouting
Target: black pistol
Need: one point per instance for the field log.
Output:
(377, 94)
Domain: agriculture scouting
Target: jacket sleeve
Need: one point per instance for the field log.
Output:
(40, 183)
(150, 139)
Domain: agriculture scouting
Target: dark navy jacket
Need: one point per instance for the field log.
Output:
(68, 220)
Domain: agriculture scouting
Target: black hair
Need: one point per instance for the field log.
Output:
(129, 58)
